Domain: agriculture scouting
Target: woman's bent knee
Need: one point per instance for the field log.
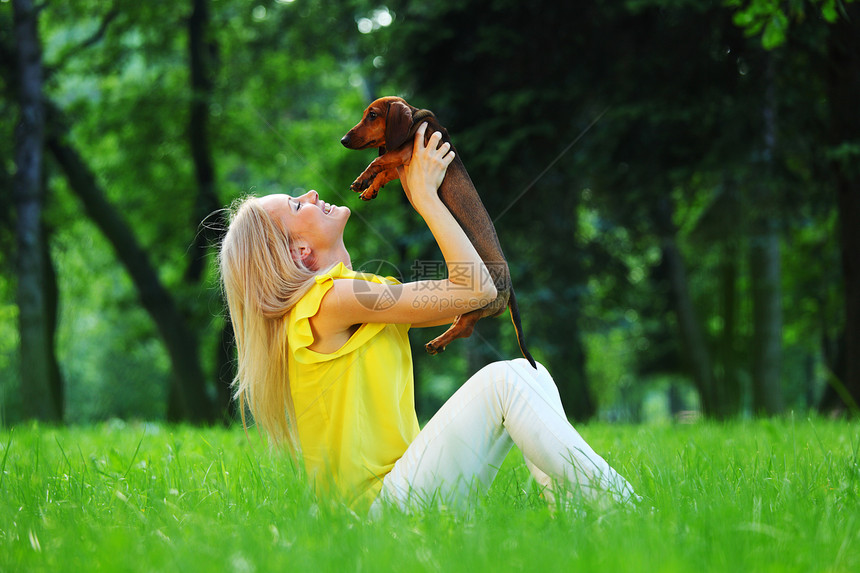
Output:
(519, 365)
(512, 373)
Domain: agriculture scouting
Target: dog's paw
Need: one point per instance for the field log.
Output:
(365, 180)
(433, 349)
(359, 185)
(373, 189)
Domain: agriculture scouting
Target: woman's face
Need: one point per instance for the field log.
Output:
(309, 218)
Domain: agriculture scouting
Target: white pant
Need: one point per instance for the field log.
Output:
(465, 443)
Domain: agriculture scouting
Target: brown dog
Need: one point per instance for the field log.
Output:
(390, 123)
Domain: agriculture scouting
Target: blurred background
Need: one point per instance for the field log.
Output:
(675, 183)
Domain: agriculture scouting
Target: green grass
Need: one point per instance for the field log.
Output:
(758, 496)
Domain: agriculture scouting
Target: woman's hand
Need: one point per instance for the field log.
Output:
(426, 170)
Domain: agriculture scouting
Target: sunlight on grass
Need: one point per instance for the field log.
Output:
(755, 496)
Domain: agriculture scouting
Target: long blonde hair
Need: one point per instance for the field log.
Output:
(262, 282)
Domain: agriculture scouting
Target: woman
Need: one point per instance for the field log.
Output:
(325, 365)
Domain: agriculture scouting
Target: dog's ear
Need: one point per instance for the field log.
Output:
(397, 124)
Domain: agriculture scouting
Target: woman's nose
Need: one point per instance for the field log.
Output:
(309, 197)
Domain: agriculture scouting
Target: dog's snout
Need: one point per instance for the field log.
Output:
(345, 140)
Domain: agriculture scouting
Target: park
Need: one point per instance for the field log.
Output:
(675, 185)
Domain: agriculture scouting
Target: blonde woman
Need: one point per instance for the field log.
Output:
(329, 376)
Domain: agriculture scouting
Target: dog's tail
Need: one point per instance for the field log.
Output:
(518, 327)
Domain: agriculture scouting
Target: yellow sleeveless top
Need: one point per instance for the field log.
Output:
(355, 407)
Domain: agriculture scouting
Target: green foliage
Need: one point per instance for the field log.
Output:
(575, 119)
(683, 96)
(777, 495)
(111, 356)
(772, 19)
(120, 74)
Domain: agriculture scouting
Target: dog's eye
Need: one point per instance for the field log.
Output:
(372, 115)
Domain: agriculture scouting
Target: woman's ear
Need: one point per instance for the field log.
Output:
(303, 255)
(398, 122)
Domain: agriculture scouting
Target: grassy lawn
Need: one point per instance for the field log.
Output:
(776, 495)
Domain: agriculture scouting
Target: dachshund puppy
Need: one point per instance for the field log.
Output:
(389, 124)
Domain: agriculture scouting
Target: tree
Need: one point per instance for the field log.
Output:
(40, 382)
(208, 219)
(773, 21)
(624, 150)
(181, 344)
(695, 345)
(843, 49)
(690, 123)
(765, 270)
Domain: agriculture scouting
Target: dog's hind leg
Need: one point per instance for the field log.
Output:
(461, 328)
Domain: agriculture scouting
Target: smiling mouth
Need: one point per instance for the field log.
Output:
(327, 208)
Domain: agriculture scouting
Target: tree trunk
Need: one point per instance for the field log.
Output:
(179, 340)
(559, 334)
(729, 381)
(225, 371)
(37, 351)
(201, 55)
(834, 398)
(844, 95)
(767, 323)
(208, 221)
(52, 299)
(692, 335)
(765, 271)
(568, 364)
